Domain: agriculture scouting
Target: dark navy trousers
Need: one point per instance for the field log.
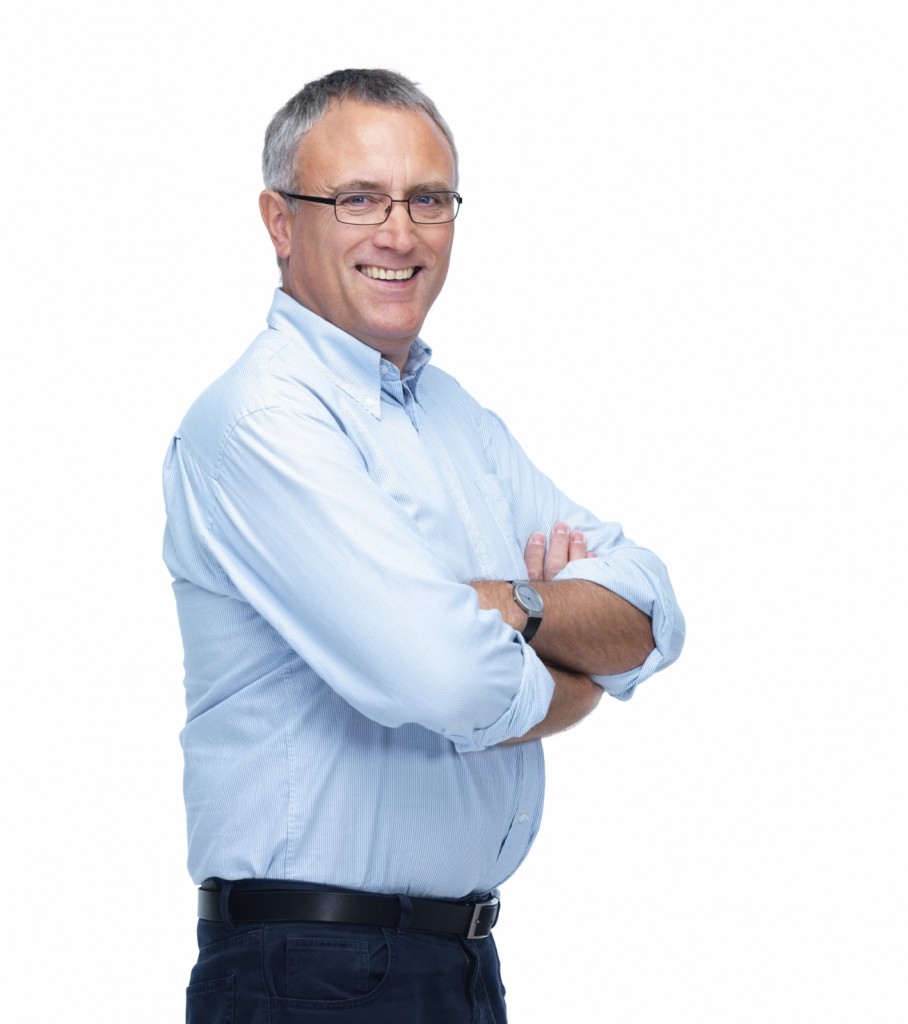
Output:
(253, 973)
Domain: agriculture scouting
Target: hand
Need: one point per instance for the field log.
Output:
(586, 628)
(565, 545)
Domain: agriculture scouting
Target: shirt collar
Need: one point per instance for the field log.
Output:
(351, 364)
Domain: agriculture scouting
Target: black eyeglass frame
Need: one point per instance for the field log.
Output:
(375, 223)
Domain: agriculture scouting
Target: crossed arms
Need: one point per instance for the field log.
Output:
(586, 629)
(368, 592)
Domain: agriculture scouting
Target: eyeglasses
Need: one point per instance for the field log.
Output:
(368, 208)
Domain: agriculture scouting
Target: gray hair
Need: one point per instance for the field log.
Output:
(299, 114)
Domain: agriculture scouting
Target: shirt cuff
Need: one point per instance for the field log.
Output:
(640, 580)
(529, 707)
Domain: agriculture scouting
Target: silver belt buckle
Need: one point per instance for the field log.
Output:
(479, 929)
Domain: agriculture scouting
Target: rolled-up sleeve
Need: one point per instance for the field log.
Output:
(638, 576)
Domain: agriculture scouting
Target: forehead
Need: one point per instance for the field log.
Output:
(364, 142)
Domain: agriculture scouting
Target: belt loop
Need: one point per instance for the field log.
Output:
(406, 913)
(224, 900)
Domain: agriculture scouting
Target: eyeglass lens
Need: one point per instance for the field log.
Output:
(375, 207)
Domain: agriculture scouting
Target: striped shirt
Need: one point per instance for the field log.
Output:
(344, 691)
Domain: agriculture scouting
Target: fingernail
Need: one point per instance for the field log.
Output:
(537, 538)
(577, 537)
(560, 529)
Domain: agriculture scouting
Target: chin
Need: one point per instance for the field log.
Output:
(397, 333)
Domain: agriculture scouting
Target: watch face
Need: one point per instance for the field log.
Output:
(530, 598)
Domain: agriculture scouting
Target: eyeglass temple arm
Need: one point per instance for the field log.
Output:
(310, 199)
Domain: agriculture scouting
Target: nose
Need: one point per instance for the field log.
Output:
(398, 231)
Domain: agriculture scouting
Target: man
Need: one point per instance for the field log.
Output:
(366, 682)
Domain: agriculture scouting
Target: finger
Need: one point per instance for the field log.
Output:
(534, 556)
(557, 557)
(577, 547)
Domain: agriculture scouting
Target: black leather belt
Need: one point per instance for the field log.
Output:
(472, 920)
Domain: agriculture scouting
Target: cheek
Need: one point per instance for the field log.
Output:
(444, 254)
(325, 269)
(444, 258)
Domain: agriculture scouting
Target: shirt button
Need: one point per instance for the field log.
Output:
(523, 819)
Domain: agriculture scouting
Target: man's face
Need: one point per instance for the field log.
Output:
(363, 147)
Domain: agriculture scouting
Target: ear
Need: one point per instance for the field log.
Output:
(277, 220)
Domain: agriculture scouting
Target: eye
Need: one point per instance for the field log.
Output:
(433, 207)
(427, 200)
(360, 202)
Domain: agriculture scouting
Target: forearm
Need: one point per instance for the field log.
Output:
(587, 628)
(574, 697)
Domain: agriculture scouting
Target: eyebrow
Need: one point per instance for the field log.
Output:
(360, 185)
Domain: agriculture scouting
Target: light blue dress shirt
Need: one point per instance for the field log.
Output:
(345, 693)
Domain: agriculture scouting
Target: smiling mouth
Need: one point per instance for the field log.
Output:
(387, 274)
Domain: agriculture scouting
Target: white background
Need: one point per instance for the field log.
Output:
(680, 276)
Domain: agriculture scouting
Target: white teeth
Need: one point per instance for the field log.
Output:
(381, 274)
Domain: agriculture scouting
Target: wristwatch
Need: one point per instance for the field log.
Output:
(528, 600)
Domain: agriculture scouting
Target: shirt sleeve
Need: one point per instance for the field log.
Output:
(290, 521)
(630, 571)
